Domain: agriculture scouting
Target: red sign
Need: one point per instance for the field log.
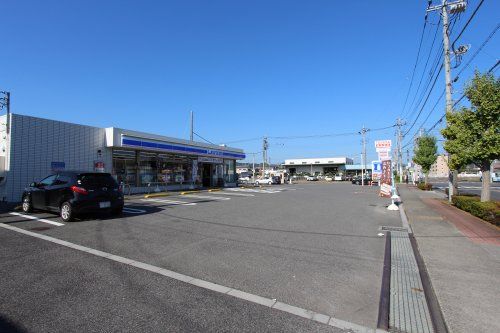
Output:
(99, 166)
(383, 144)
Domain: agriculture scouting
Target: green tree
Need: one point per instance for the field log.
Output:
(473, 134)
(425, 153)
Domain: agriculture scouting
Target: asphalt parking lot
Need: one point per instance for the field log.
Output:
(312, 246)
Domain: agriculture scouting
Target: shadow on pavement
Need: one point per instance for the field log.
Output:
(7, 326)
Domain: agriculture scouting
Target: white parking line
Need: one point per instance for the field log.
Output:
(171, 202)
(206, 197)
(251, 190)
(266, 302)
(37, 219)
(234, 193)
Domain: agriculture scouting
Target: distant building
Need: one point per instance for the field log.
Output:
(357, 169)
(440, 168)
(316, 166)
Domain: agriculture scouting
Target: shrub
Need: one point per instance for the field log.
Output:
(488, 211)
(424, 187)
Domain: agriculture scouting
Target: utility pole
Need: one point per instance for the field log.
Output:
(264, 155)
(253, 168)
(363, 154)
(192, 126)
(455, 7)
(399, 153)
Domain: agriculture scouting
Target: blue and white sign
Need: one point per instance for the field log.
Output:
(178, 148)
(376, 167)
(57, 166)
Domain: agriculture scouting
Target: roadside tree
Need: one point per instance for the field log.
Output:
(425, 153)
(473, 134)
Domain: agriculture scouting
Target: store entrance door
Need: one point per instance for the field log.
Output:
(206, 174)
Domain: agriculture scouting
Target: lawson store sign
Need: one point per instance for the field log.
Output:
(178, 148)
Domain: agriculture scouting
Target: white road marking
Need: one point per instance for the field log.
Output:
(267, 302)
(171, 202)
(251, 190)
(234, 193)
(133, 210)
(206, 197)
(37, 219)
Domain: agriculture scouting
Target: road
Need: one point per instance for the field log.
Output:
(308, 248)
(470, 187)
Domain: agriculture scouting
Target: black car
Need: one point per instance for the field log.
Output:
(356, 180)
(71, 193)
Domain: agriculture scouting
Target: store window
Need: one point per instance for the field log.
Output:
(147, 168)
(229, 171)
(174, 169)
(124, 166)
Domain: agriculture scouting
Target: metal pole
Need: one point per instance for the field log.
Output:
(253, 168)
(192, 126)
(363, 155)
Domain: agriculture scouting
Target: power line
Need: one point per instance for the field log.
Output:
(478, 50)
(203, 138)
(425, 66)
(416, 62)
(311, 136)
(465, 66)
(437, 62)
(425, 102)
(466, 24)
(492, 69)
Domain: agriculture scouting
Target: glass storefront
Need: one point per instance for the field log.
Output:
(142, 169)
(124, 166)
(147, 168)
(174, 169)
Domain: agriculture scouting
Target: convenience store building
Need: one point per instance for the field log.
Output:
(31, 148)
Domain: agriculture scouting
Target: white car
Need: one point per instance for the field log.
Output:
(339, 177)
(265, 180)
(311, 178)
(329, 178)
(244, 180)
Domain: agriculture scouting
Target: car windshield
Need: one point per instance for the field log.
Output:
(93, 180)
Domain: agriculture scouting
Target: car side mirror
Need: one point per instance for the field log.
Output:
(34, 184)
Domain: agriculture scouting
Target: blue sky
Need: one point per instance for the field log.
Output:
(247, 69)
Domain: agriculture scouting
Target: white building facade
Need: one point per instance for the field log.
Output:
(316, 166)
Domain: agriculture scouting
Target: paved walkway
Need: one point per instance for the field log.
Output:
(462, 257)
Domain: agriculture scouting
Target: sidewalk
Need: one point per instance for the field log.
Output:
(462, 256)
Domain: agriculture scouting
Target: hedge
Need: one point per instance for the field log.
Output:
(424, 187)
(488, 211)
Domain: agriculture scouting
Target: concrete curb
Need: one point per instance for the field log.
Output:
(189, 192)
(214, 190)
(155, 195)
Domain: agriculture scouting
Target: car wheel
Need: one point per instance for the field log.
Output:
(66, 212)
(27, 205)
(269, 183)
(257, 183)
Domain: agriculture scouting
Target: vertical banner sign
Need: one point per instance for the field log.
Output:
(386, 179)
